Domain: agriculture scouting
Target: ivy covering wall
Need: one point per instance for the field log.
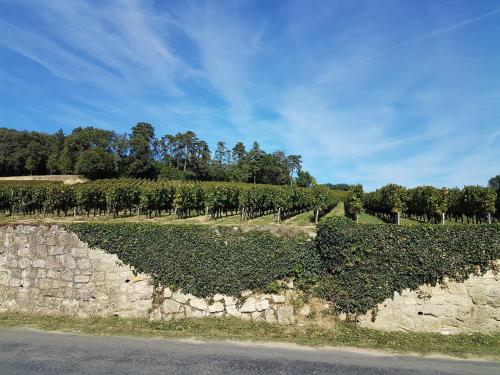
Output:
(365, 264)
(204, 260)
(354, 266)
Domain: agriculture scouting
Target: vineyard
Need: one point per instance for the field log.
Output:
(125, 197)
(472, 204)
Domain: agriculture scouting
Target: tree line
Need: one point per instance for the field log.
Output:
(98, 153)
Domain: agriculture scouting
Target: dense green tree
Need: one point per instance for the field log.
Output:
(494, 183)
(181, 156)
(238, 152)
(305, 179)
(295, 165)
(142, 148)
(343, 187)
(353, 204)
(96, 163)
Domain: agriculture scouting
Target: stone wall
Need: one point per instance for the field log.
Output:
(47, 270)
(449, 308)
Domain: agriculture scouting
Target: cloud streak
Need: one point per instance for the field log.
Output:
(293, 77)
(433, 33)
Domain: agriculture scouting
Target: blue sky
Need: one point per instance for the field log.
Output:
(367, 91)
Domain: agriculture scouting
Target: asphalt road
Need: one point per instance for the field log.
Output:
(27, 352)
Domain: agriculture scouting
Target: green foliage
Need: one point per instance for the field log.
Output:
(96, 164)
(430, 204)
(202, 260)
(305, 179)
(354, 202)
(134, 196)
(366, 264)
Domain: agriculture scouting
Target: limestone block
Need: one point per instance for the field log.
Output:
(262, 304)
(82, 279)
(493, 295)
(218, 297)
(56, 284)
(56, 250)
(249, 305)
(180, 297)
(39, 263)
(167, 293)
(41, 273)
(229, 301)
(24, 252)
(270, 316)
(69, 261)
(15, 283)
(171, 307)
(24, 263)
(233, 311)
(198, 303)
(478, 297)
(67, 275)
(216, 307)
(246, 293)
(278, 298)
(80, 252)
(285, 315)
(83, 264)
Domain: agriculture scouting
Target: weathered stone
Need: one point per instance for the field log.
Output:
(262, 304)
(232, 310)
(83, 264)
(49, 271)
(278, 298)
(270, 316)
(82, 279)
(155, 315)
(216, 307)
(198, 303)
(285, 314)
(167, 293)
(229, 301)
(171, 307)
(249, 305)
(180, 297)
(39, 263)
(24, 263)
(218, 297)
(56, 250)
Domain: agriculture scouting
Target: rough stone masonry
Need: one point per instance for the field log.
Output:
(47, 270)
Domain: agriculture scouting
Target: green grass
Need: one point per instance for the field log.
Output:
(338, 210)
(341, 334)
(365, 218)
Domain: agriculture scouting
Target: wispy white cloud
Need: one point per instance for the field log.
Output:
(113, 46)
(434, 33)
(300, 82)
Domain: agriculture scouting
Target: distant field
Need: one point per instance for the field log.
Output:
(66, 179)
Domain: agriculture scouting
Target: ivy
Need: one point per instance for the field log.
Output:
(365, 264)
(204, 261)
